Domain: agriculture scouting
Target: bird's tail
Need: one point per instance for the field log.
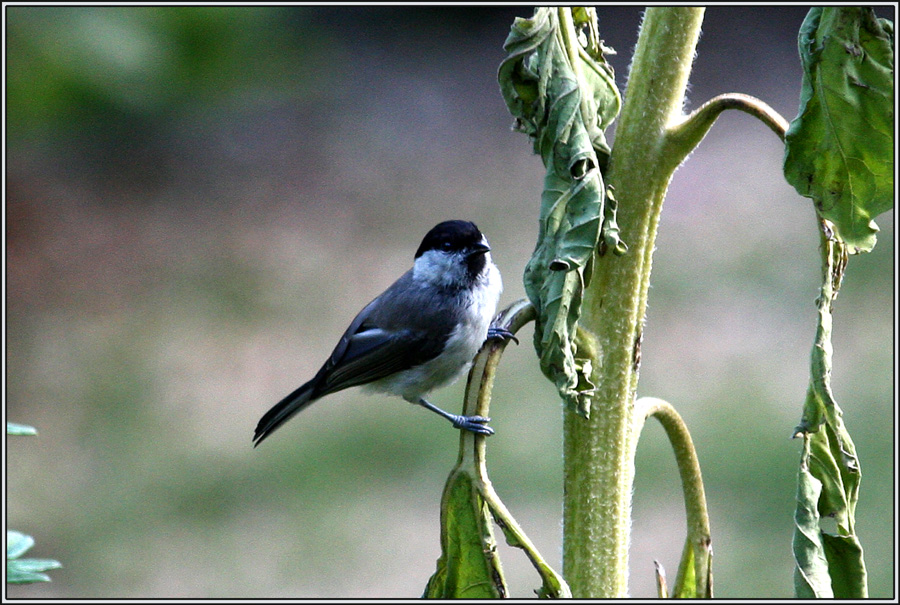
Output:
(282, 411)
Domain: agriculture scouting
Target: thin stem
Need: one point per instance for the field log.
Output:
(699, 537)
(684, 135)
(685, 457)
(480, 385)
(472, 445)
(554, 585)
(662, 589)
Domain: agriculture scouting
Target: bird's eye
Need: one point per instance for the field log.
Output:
(446, 246)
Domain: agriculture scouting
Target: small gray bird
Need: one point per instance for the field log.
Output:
(419, 334)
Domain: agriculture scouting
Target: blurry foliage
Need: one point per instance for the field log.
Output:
(25, 571)
(19, 570)
(112, 67)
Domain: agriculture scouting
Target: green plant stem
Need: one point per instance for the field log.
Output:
(478, 394)
(698, 531)
(598, 465)
(694, 127)
(473, 446)
(653, 138)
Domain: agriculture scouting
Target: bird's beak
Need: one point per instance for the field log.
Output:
(480, 248)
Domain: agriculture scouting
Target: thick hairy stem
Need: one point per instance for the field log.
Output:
(599, 467)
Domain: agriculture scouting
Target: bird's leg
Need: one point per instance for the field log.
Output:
(476, 424)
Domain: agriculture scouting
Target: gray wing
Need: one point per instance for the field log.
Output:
(376, 346)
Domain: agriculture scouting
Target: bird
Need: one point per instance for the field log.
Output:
(420, 334)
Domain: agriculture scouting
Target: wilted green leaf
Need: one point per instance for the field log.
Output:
(20, 429)
(811, 577)
(840, 148)
(827, 565)
(846, 566)
(561, 91)
(468, 567)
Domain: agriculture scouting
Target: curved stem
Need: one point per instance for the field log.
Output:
(480, 383)
(683, 136)
(472, 445)
(699, 538)
(685, 457)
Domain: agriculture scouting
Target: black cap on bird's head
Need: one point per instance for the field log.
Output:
(454, 236)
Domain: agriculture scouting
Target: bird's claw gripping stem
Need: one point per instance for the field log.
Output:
(501, 333)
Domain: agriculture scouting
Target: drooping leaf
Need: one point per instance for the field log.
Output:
(840, 148)
(811, 579)
(561, 91)
(468, 567)
(845, 565)
(828, 565)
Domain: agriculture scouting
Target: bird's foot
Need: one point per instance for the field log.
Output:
(475, 424)
(501, 334)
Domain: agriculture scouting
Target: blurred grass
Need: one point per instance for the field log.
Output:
(182, 253)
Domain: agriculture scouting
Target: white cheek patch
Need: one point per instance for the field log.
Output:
(439, 268)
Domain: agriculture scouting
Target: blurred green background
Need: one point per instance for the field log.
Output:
(199, 200)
